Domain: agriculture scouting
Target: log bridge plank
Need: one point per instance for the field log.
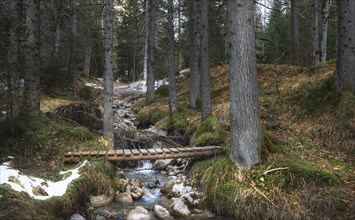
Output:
(145, 154)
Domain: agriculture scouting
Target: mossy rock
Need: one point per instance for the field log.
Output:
(208, 132)
(179, 122)
(151, 115)
(163, 124)
(138, 105)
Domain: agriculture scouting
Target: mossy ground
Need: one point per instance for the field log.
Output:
(308, 128)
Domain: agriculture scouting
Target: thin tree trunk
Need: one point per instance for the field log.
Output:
(244, 104)
(108, 76)
(206, 102)
(345, 69)
(71, 63)
(324, 30)
(295, 33)
(315, 35)
(87, 63)
(181, 62)
(134, 71)
(54, 51)
(151, 47)
(194, 58)
(145, 56)
(173, 103)
(31, 96)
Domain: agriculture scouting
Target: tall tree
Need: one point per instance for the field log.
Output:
(345, 69)
(173, 103)
(146, 40)
(324, 30)
(150, 49)
(108, 76)
(295, 33)
(73, 34)
(31, 96)
(206, 102)
(315, 35)
(54, 51)
(244, 104)
(194, 58)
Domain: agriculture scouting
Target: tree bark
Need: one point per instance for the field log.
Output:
(145, 55)
(151, 47)
(71, 63)
(54, 51)
(31, 96)
(206, 102)
(324, 30)
(345, 69)
(194, 58)
(108, 84)
(295, 33)
(245, 129)
(173, 103)
(315, 35)
(87, 63)
(181, 62)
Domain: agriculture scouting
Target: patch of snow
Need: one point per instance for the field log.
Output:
(100, 79)
(93, 85)
(141, 86)
(27, 183)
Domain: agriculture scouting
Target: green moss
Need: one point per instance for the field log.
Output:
(179, 122)
(346, 107)
(208, 132)
(162, 91)
(271, 145)
(163, 124)
(151, 115)
(138, 105)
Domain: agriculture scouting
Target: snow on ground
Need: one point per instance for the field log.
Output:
(19, 182)
(141, 86)
(93, 85)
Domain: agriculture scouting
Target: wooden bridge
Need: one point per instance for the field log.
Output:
(145, 154)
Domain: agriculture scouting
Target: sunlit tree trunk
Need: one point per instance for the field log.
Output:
(345, 69)
(206, 102)
(108, 87)
(324, 30)
(194, 52)
(244, 103)
(173, 103)
(295, 33)
(151, 47)
(315, 35)
(87, 63)
(31, 96)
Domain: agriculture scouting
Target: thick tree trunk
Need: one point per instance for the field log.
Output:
(108, 84)
(31, 96)
(315, 36)
(71, 63)
(54, 51)
(145, 55)
(244, 111)
(13, 75)
(151, 47)
(194, 58)
(324, 30)
(295, 33)
(345, 69)
(173, 103)
(206, 102)
(87, 63)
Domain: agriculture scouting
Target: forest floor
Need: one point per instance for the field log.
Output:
(307, 170)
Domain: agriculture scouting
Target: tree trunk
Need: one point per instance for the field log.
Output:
(244, 104)
(13, 75)
(108, 84)
(151, 47)
(295, 33)
(206, 102)
(315, 43)
(134, 71)
(87, 64)
(71, 63)
(173, 103)
(54, 51)
(345, 69)
(145, 56)
(31, 96)
(181, 62)
(194, 58)
(324, 30)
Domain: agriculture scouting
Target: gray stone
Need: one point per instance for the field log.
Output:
(162, 164)
(100, 200)
(162, 212)
(165, 201)
(180, 208)
(124, 198)
(77, 216)
(139, 213)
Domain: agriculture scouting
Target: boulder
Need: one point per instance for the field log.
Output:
(165, 201)
(180, 208)
(136, 183)
(162, 212)
(100, 200)
(137, 193)
(166, 187)
(124, 198)
(139, 213)
(39, 191)
(122, 184)
(77, 216)
(162, 164)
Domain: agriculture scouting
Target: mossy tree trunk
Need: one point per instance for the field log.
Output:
(194, 58)
(206, 101)
(173, 103)
(345, 69)
(108, 81)
(31, 96)
(244, 104)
